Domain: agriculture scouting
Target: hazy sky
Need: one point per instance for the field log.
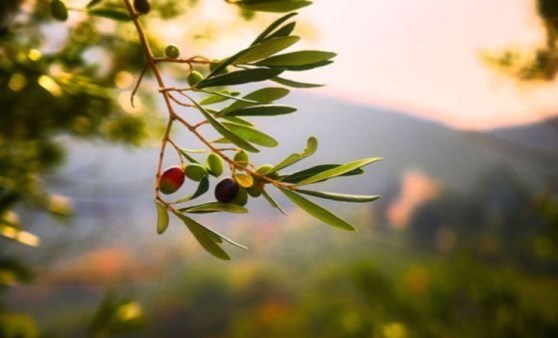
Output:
(423, 57)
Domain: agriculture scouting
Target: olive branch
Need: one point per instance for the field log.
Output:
(258, 62)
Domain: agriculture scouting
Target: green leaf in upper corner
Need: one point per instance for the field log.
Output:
(274, 6)
(263, 35)
(300, 58)
(215, 207)
(202, 188)
(207, 239)
(224, 131)
(311, 147)
(283, 31)
(162, 217)
(272, 202)
(295, 84)
(240, 77)
(304, 174)
(216, 98)
(342, 169)
(339, 197)
(92, 3)
(263, 110)
(262, 96)
(111, 13)
(317, 211)
(266, 48)
(252, 135)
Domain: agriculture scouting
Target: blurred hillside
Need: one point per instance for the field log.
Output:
(448, 197)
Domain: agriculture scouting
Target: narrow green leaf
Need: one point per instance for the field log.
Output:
(317, 211)
(311, 147)
(215, 207)
(274, 6)
(263, 110)
(264, 95)
(252, 135)
(206, 239)
(185, 153)
(283, 31)
(240, 77)
(305, 67)
(212, 234)
(238, 120)
(92, 3)
(239, 141)
(111, 13)
(162, 217)
(339, 197)
(272, 27)
(272, 202)
(214, 98)
(299, 58)
(202, 188)
(324, 175)
(266, 48)
(304, 174)
(192, 151)
(227, 96)
(295, 84)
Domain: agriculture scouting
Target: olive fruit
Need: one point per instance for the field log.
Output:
(194, 77)
(256, 189)
(58, 10)
(142, 6)
(241, 157)
(214, 163)
(265, 169)
(226, 190)
(172, 51)
(241, 197)
(171, 180)
(195, 172)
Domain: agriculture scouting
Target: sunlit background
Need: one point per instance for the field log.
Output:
(463, 242)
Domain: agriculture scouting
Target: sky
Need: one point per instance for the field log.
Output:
(423, 57)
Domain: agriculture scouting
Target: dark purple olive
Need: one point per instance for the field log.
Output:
(226, 190)
(142, 6)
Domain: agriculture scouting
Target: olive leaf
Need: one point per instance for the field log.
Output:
(339, 197)
(263, 35)
(342, 169)
(295, 84)
(239, 77)
(162, 217)
(311, 147)
(317, 211)
(215, 207)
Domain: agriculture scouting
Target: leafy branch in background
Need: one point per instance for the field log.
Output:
(540, 64)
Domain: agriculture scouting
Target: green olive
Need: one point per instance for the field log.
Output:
(214, 163)
(256, 189)
(241, 197)
(172, 51)
(195, 172)
(241, 157)
(194, 77)
(265, 169)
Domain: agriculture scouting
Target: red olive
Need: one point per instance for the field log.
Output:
(171, 180)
